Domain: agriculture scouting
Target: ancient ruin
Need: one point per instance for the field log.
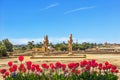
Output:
(46, 43)
(70, 44)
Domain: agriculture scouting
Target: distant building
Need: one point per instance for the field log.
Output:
(110, 47)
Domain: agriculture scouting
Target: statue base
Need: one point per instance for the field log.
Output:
(46, 54)
(70, 53)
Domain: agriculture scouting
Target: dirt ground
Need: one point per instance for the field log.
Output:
(112, 58)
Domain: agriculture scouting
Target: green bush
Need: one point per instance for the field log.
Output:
(3, 51)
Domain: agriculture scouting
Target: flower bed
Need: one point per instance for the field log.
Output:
(83, 70)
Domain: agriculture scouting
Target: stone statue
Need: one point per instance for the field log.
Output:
(46, 42)
(70, 44)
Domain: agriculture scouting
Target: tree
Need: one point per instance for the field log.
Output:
(39, 45)
(31, 44)
(8, 45)
(23, 48)
(3, 51)
(61, 46)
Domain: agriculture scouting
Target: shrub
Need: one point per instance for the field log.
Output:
(3, 51)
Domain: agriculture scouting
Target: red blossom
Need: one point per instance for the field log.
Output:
(78, 71)
(37, 66)
(106, 63)
(116, 71)
(108, 66)
(87, 67)
(6, 73)
(100, 64)
(63, 66)
(22, 68)
(71, 65)
(10, 63)
(100, 68)
(39, 70)
(114, 67)
(15, 67)
(73, 70)
(104, 67)
(33, 65)
(76, 65)
(32, 68)
(44, 65)
(112, 70)
(28, 67)
(93, 61)
(11, 69)
(21, 58)
(58, 65)
(2, 71)
(83, 63)
(28, 63)
(52, 66)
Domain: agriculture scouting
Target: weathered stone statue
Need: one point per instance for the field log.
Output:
(70, 44)
(46, 42)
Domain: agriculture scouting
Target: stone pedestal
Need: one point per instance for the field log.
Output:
(70, 53)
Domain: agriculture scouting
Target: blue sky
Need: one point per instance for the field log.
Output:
(88, 20)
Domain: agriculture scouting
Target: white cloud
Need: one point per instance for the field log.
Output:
(50, 6)
(53, 40)
(78, 9)
(24, 40)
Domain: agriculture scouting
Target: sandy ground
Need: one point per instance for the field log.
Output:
(112, 58)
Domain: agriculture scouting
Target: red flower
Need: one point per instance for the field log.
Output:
(21, 58)
(114, 67)
(52, 66)
(28, 63)
(87, 67)
(45, 66)
(22, 67)
(93, 61)
(24, 70)
(39, 70)
(112, 70)
(6, 73)
(63, 66)
(58, 65)
(78, 71)
(116, 71)
(15, 67)
(11, 69)
(106, 63)
(71, 65)
(83, 63)
(2, 71)
(76, 65)
(10, 63)
(108, 66)
(100, 64)
(37, 66)
(94, 64)
(33, 65)
(104, 67)
(32, 68)
(100, 68)
(73, 70)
